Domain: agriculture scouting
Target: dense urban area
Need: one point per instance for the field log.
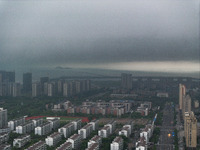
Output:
(99, 113)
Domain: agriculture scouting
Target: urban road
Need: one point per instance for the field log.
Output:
(166, 130)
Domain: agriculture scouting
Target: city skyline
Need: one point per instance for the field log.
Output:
(156, 36)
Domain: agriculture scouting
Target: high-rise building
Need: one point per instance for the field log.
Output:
(126, 81)
(3, 118)
(42, 81)
(51, 89)
(190, 130)
(27, 82)
(186, 104)
(182, 92)
(60, 87)
(7, 76)
(16, 89)
(66, 89)
(36, 89)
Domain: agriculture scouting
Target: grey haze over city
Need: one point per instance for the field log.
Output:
(138, 35)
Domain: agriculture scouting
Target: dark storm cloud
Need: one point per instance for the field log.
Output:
(51, 32)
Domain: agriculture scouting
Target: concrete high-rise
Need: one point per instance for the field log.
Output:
(182, 93)
(126, 81)
(42, 81)
(186, 106)
(36, 89)
(6, 76)
(27, 82)
(190, 130)
(3, 118)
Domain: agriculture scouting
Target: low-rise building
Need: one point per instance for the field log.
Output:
(117, 144)
(25, 128)
(95, 124)
(37, 122)
(141, 144)
(93, 146)
(104, 132)
(53, 139)
(125, 132)
(77, 124)
(55, 123)
(41, 145)
(5, 147)
(75, 140)
(96, 139)
(67, 130)
(43, 129)
(12, 124)
(112, 125)
(85, 131)
(21, 141)
(65, 146)
(4, 137)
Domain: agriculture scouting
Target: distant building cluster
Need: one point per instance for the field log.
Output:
(60, 87)
(113, 107)
(45, 87)
(144, 108)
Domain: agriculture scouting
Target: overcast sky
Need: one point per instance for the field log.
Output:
(158, 35)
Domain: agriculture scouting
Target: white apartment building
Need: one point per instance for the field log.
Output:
(104, 132)
(53, 139)
(75, 140)
(93, 146)
(141, 144)
(41, 145)
(96, 139)
(147, 133)
(95, 124)
(117, 144)
(43, 129)
(55, 123)
(5, 147)
(4, 137)
(85, 131)
(25, 128)
(37, 122)
(112, 126)
(125, 131)
(16, 122)
(77, 124)
(65, 146)
(21, 141)
(67, 130)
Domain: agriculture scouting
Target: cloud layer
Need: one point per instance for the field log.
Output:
(56, 32)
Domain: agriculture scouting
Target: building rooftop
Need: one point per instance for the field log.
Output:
(105, 128)
(54, 134)
(86, 126)
(75, 136)
(93, 146)
(64, 146)
(44, 124)
(34, 146)
(95, 138)
(117, 139)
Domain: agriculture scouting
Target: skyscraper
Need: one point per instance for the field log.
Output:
(6, 76)
(27, 82)
(36, 89)
(42, 81)
(3, 118)
(126, 81)
(190, 130)
(186, 106)
(182, 92)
